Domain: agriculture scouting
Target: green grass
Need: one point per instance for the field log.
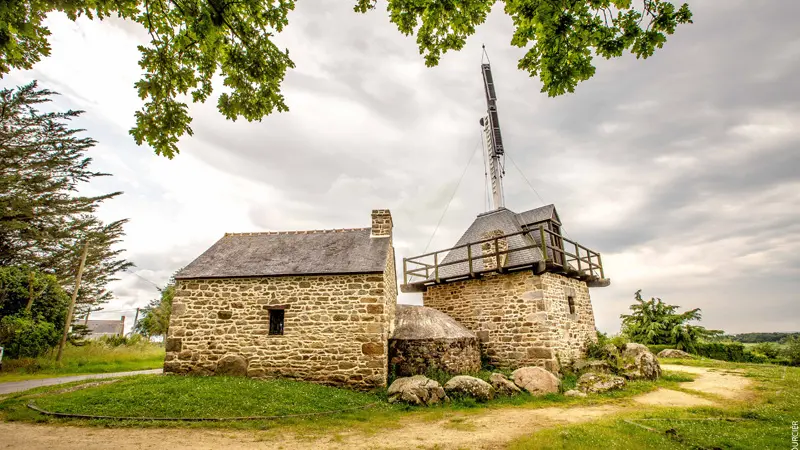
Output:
(178, 396)
(762, 423)
(90, 358)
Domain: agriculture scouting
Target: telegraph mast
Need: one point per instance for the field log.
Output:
(494, 142)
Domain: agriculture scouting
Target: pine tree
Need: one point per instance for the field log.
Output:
(43, 218)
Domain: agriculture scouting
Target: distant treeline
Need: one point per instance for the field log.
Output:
(756, 338)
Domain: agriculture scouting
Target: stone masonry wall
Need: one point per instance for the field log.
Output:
(521, 318)
(408, 357)
(390, 289)
(335, 326)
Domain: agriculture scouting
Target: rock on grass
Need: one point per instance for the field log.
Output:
(467, 386)
(417, 390)
(535, 380)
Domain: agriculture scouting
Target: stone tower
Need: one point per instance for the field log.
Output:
(512, 279)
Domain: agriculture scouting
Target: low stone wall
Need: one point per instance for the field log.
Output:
(520, 318)
(417, 356)
(336, 327)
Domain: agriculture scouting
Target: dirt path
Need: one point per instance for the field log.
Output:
(487, 430)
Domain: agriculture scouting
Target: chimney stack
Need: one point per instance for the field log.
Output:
(381, 223)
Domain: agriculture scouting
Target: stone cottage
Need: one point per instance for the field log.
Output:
(312, 305)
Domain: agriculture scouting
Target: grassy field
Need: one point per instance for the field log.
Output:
(174, 396)
(764, 422)
(90, 358)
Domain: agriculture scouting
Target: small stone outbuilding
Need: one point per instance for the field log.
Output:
(426, 339)
(312, 305)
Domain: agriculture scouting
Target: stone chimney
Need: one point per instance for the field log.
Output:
(381, 223)
(122, 326)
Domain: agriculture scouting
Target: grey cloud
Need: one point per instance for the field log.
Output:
(409, 138)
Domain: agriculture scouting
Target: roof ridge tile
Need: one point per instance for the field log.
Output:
(273, 233)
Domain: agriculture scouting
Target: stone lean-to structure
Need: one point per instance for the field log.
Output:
(526, 306)
(311, 305)
(426, 339)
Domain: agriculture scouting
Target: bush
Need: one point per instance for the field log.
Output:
(768, 349)
(599, 349)
(725, 351)
(23, 337)
(608, 349)
(791, 350)
(113, 340)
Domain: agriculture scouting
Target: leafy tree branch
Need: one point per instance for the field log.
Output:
(193, 40)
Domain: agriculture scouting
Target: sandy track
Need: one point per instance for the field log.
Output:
(487, 430)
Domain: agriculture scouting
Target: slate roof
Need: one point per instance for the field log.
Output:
(105, 326)
(291, 253)
(508, 222)
(547, 212)
(421, 322)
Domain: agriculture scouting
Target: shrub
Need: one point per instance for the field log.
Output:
(791, 350)
(725, 351)
(114, 340)
(608, 349)
(23, 337)
(767, 349)
(755, 358)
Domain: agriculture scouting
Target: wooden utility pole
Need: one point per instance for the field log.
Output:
(72, 302)
(135, 319)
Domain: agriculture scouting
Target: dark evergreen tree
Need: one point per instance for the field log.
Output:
(43, 218)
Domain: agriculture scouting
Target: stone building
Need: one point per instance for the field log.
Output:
(312, 305)
(512, 279)
(426, 339)
(515, 282)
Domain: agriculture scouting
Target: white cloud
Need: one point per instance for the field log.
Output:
(677, 169)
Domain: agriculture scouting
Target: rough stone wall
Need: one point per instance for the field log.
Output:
(520, 318)
(408, 357)
(381, 222)
(390, 289)
(336, 327)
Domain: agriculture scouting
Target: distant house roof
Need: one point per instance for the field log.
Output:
(105, 326)
(422, 322)
(508, 222)
(291, 253)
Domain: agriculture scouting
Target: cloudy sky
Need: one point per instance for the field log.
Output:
(682, 170)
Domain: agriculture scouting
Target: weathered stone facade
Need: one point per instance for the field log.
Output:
(335, 327)
(520, 318)
(417, 357)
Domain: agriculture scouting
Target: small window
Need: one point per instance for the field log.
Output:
(571, 304)
(276, 321)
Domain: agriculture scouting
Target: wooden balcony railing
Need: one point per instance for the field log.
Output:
(555, 254)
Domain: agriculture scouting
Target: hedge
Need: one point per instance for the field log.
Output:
(725, 351)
